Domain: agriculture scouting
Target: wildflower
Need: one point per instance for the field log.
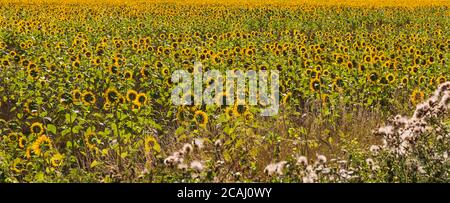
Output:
(302, 161)
(197, 166)
(218, 143)
(187, 148)
(198, 143)
(321, 159)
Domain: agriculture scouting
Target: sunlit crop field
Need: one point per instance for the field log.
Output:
(85, 91)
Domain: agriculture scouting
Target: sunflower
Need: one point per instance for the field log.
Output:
(41, 144)
(31, 107)
(405, 80)
(183, 114)
(367, 59)
(201, 118)
(106, 106)
(131, 95)
(22, 142)
(362, 68)
(33, 73)
(128, 75)
(88, 98)
(145, 73)
(17, 165)
(373, 76)
(37, 128)
(141, 99)
(441, 79)
(417, 96)
(165, 71)
(13, 137)
(390, 78)
(56, 160)
(112, 95)
(113, 69)
(90, 139)
(314, 85)
(76, 95)
(149, 143)
(248, 116)
(239, 109)
(422, 80)
(287, 98)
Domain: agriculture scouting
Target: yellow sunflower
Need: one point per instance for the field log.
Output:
(56, 160)
(131, 95)
(201, 118)
(417, 96)
(37, 128)
(112, 95)
(88, 98)
(141, 99)
(42, 144)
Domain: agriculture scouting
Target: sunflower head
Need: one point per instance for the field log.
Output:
(22, 142)
(88, 98)
(132, 95)
(42, 145)
(33, 73)
(314, 85)
(76, 95)
(90, 139)
(37, 128)
(417, 96)
(240, 109)
(201, 118)
(112, 96)
(141, 99)
(56, 160)
(373, 76)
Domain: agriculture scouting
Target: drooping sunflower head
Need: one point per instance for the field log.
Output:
(37, 128)
(145, 72)
(287, 98)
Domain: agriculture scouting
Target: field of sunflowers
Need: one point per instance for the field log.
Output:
(85, 91)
